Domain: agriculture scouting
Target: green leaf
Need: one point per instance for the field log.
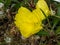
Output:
(58, 30)
(58, 11)
(1, 0)
(35, 1)
(15, 1)
(7, 3)
(17, 6)
(55, 22)
(58, 43)
(43, 33)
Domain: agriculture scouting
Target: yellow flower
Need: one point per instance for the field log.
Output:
(29, 22)
(43, 5)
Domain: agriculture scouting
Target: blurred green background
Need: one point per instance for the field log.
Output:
(9, 33)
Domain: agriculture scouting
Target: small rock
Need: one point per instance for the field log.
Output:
(1, 5)
(2, 14)
(7, 39)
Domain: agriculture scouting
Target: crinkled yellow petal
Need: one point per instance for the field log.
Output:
(28, 22)
(38, 13)
(27, 15)
(43, 5)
